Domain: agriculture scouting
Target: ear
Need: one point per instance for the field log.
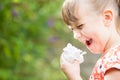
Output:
(107, 17)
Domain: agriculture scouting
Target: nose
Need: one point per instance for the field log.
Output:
(77, 35)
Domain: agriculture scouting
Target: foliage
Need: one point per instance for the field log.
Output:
(32, 35)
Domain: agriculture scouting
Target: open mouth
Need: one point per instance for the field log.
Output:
(88, 42)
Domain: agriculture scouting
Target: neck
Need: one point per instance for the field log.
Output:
(112, 42)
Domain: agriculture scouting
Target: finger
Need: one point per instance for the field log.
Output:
(62, 59)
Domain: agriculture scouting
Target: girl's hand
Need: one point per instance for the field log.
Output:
(71, 70)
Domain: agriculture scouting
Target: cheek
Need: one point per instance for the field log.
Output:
(88, 33)
(105, 36)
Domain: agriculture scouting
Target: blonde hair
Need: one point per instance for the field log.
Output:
(68, 9)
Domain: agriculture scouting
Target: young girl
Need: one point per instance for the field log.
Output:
(95, 23)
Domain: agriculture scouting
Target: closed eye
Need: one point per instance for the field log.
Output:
(80, 26)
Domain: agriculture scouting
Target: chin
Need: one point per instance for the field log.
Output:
(96, 51)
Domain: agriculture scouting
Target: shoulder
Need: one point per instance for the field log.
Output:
(112, 59)
(112, 74)
(111, 63)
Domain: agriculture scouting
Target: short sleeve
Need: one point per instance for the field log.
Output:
(112, 61)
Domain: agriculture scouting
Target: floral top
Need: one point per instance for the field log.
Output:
(110, 60)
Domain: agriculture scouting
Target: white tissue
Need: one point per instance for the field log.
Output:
(71, 53)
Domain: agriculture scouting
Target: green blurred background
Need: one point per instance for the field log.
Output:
(32, 36)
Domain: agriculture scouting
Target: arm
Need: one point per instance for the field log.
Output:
(71, 70)
(112, 74)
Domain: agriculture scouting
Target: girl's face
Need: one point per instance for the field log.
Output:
(90, 30)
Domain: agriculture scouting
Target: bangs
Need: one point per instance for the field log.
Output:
(68, 11)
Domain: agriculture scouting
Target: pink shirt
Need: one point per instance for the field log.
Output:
(110, 60)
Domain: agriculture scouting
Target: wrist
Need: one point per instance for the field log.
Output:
(78, 78)
(75, 78)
